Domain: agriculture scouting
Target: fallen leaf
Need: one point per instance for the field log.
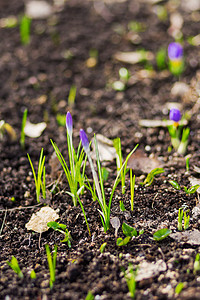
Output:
(191, 5)
(159, 123)
(34, 130)
(38, 221)
(139, 162)
(191, 237)
(147, 270)
(38, 9)
(133, 57)
(115, 222)
(106, 149)
(180, 89)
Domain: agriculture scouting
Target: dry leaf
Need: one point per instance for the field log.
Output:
(34, 130)
(38, 9)
(139, 162)
(159, 123)
(191, 237)
(115, 222)
(105, 146)
(180, 89)
(147, 270)
(133, 57)
(39, 220)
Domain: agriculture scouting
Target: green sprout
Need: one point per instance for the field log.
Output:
(121, 205)
(123, 242)
(98, 180)
(102, 248)
(179, 288)
(15, 266)
(175, 184)
(192, 189)
(40, 180)
(89, 296)
(183, 215)
(196, 267)
(124, 75)
(161, 59)
(52, 264)
(132, 184)
(161, 234)
(150, 177)
(119, 162)
(61, 119)
(129, 230)
(33, 274)
(187, 164)
(22, 138)
(63, 229)
(72, 96)
(130, 277)
(25, 24)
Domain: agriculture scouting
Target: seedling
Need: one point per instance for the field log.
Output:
(72, 96)
(161, 59)
(15, 266)
(132, 185)
(63, 229)
(25, 24)
(33, 274)
(130, 277)
(150, 177)
(196, 267)
(121, 205)
(119, 162)
(7, 128)
(52, 264)
(99, 184)
(89, 296)
(161, 234)
(183, 214)
(61, 120)
(124, 75)
(187, 160)
(179, 142)
(192, 189)
(176, 61)
(22, 138)
(179, 287)
(175, 184)
(129, 230)
(102, 248)
(123, 242)
(40, 181)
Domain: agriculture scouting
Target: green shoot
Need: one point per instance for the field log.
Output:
(187, 159)
(89, 296)
(179, 287)
(33, 274)
(161, 234)
(180, 219)
(130, 276)
(132, 184)
(7, 128)
(124, 75)
(175, 184)
(123, 242)
(25, 24)
(196, 267)
(186, 220)
(40, 183)
(102, 248)
(161, 56)
(121, 205)
(22, 138)
(15, 266)
(150, 177)
(72, 95)
(52, 264)
(119, 161)
(61, 120)
(63, 229)
(192, 189)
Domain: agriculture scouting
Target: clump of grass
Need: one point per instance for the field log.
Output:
(39, 178)
(52, 264)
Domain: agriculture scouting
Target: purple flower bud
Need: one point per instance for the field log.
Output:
(69, 123)
(175, 51)
(175, 114)
(84, 140)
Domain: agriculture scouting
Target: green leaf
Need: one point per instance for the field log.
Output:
(54, 225)
(123, 242)
(161, 234)
(150, 177)
(175, 184)
(105, 174)
(179, 287)
(192, 189)
(129, 230)
(121, 205)
(102, 248)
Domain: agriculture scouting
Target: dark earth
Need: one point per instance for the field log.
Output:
(38, 76)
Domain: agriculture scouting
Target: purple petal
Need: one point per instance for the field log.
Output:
(175, 51)
(175, 115)
(69, 122)
(84, 140)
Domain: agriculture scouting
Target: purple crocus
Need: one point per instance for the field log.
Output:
(175, 51)
(84, 140)
(175, 115)
(69, 123)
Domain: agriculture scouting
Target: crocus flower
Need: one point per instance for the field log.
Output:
(84, 140)
(175, 115)
(175, 51)
(69, 123)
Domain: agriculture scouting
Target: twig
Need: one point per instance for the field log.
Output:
(4, 219)
(18, 208)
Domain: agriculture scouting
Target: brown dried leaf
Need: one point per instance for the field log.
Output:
(38, 221)
(106, 149)
(148, 270)
(191, 237)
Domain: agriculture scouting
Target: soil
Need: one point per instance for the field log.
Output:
(38, 76)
